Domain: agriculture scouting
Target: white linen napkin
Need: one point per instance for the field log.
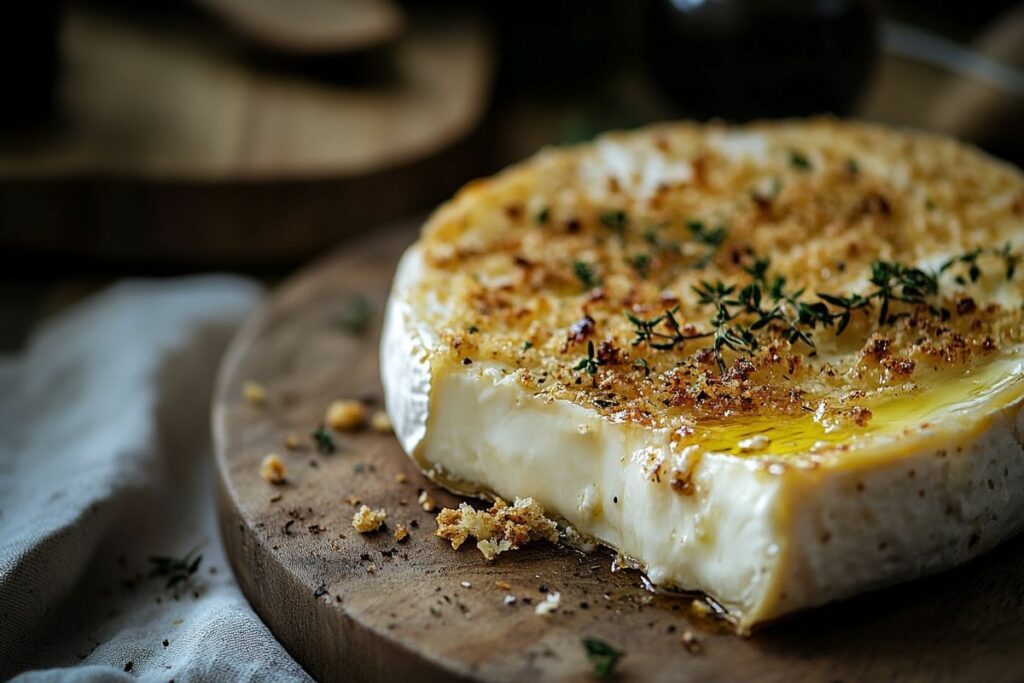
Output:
(104, 462)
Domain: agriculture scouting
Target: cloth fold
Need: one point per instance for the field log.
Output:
(105, 463)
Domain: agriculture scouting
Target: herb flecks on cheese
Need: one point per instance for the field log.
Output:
(671, 279)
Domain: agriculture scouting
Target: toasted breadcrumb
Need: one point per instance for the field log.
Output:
(691, 642)
(700, 608)
(550, 604)
(367, 521)
(353, 500)
(254, 393)
(345, 416)
(621, 271)
(401, 478)
(292, 442)
(380, 422)
(401, 533)
(503, 585)
(426, 502)
(272, 469)
(498, 528)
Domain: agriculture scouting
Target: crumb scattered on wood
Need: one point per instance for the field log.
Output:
(700, 608)
(367, 521)
(401, 533)
(691, 642)
(272, 469)
(503, 585)
(500, 528)
(380, 422)
(345, 416)
(254, 392)
(292, 442)
(353, 500)
(426, 502)
(549, 604)
(401, 478)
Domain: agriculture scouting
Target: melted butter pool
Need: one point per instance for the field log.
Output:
(984, 390)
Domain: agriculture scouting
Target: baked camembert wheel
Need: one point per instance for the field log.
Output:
(779, 363)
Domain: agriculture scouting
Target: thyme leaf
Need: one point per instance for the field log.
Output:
(354, 317)
(603, 657)
(174, 568)
(589, 363)
(799, 161)
(615, 219)
(323, 440)
(585, 274)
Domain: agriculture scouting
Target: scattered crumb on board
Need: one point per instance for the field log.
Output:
(497, 529)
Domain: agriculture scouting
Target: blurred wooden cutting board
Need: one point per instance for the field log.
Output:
(311, 26)
(173, 145)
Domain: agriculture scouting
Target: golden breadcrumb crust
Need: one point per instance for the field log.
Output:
(549, 269)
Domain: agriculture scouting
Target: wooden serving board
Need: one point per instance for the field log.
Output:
(352, 607)
(234, 158)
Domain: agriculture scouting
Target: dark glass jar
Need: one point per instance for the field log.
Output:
(744, 59)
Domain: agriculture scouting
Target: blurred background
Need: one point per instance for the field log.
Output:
(176, 136)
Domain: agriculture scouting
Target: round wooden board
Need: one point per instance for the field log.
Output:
(353, 607)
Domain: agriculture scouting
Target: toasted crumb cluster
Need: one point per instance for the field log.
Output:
(497, 529)
(550, 604)
(272, 469)
(426, 501)
(366, 521)
(345, 416)
(380, 422)
(254, 392)
(549, 270)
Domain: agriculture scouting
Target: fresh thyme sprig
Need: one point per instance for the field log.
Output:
(1010, 259)
(590, 362)
(740, 314)
(897, 282)
(670, 336)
